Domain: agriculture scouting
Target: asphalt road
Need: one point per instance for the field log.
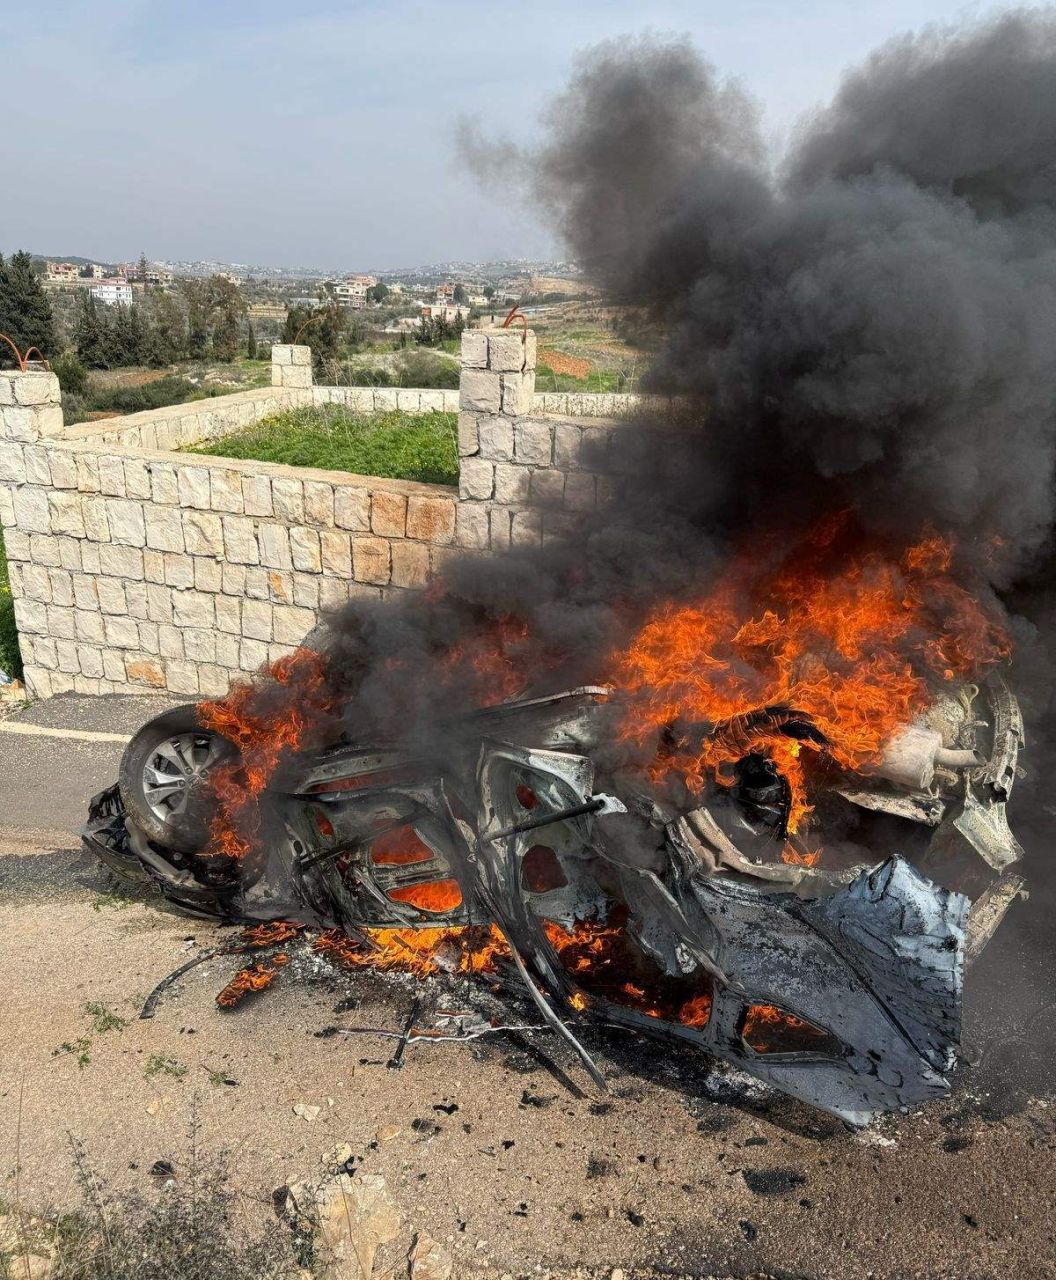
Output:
(504, 1152)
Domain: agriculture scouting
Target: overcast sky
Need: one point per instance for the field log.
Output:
(321, 133)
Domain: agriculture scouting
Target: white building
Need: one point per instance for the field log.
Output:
(351, 293)
(449, 311)
(112, 293)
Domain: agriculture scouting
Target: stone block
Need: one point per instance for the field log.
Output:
(170, 641)
(110, 593)
(409, 401)
(388, 513)
(69, 553)
(252, 655)
(137, 479)
(32, 513)
(34, 582)
(291, 624)
(12, 463)
(384, 399)
(96, 523)
(121, 562)
(164, 528)
(471, 525)
(208, 574)
(181, 677)
(203, 533)
(526, 529)
(112, 477)
(240, 540)
(533, 443)
(371, 560)
(256, 495)
(496, 439)
(225, 491)
(474, 354)
(336, 552)
(87, 472)
(352, 508)
(62, 622)
(294, 377)
(193, 609)
(193, 487)
(547, 488)
(274, 542)
(476, 478)
(304, 550)
(287, 496)
(126, 521)
(257, 619)
(319, 504)
(511, 483)
(517, 393)
(153, 564)
(63, 469)
(580, 491)
(90, 660)
(480, 391)
(199, 646)
(233, 579)
(148, 637)
(164, 487)
(333, 593)
(159, 603)
(228, 615)
(66, 655)
(431, 519)
(506, 351)
(500, 528)
(136, 595)
(44, 550)
(410, 564)
(38, 465)
(468, 435)
(66, 512)
(431, 402)
(35, 387)
(227, 651)
(31, 616)
(179, 570)
(306, 590)
(121, 633)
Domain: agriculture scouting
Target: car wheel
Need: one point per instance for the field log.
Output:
(164, 778)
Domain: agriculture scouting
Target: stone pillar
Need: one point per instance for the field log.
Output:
(30, 407)
(496, 389)
(291, 367)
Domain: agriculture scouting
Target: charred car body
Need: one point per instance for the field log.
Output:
(833, 974)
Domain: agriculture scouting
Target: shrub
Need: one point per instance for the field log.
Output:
(400, 446)
(424, 368)
(72, 375)
(193, 1228)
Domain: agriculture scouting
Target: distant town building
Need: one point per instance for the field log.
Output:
(112, 293)
(350, 293)
(445, 292)
(449, 311)
(96, 272)
(61, 272)
(229, 277)
(159, 277)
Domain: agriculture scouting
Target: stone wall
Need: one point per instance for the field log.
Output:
(135, 566)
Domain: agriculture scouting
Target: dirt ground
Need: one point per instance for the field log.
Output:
(503, 1151)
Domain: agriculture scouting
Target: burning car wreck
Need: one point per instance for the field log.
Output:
(827, 962)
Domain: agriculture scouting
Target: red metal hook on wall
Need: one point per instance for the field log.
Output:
(23, 360)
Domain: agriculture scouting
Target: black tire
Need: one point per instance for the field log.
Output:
(175, 815)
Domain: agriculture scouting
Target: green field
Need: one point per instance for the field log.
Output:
(401, 446)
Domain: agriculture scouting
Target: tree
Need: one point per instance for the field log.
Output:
(166, 328)
(199, 314)
(251, 341)
(142, 268)
(378, 292)
(90, 334)
(25, 312)
(489, 291)
(227, 311)
(459, 295)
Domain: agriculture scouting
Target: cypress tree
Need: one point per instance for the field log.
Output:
(25, 312)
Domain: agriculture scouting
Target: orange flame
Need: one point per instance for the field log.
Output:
(852, 642)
